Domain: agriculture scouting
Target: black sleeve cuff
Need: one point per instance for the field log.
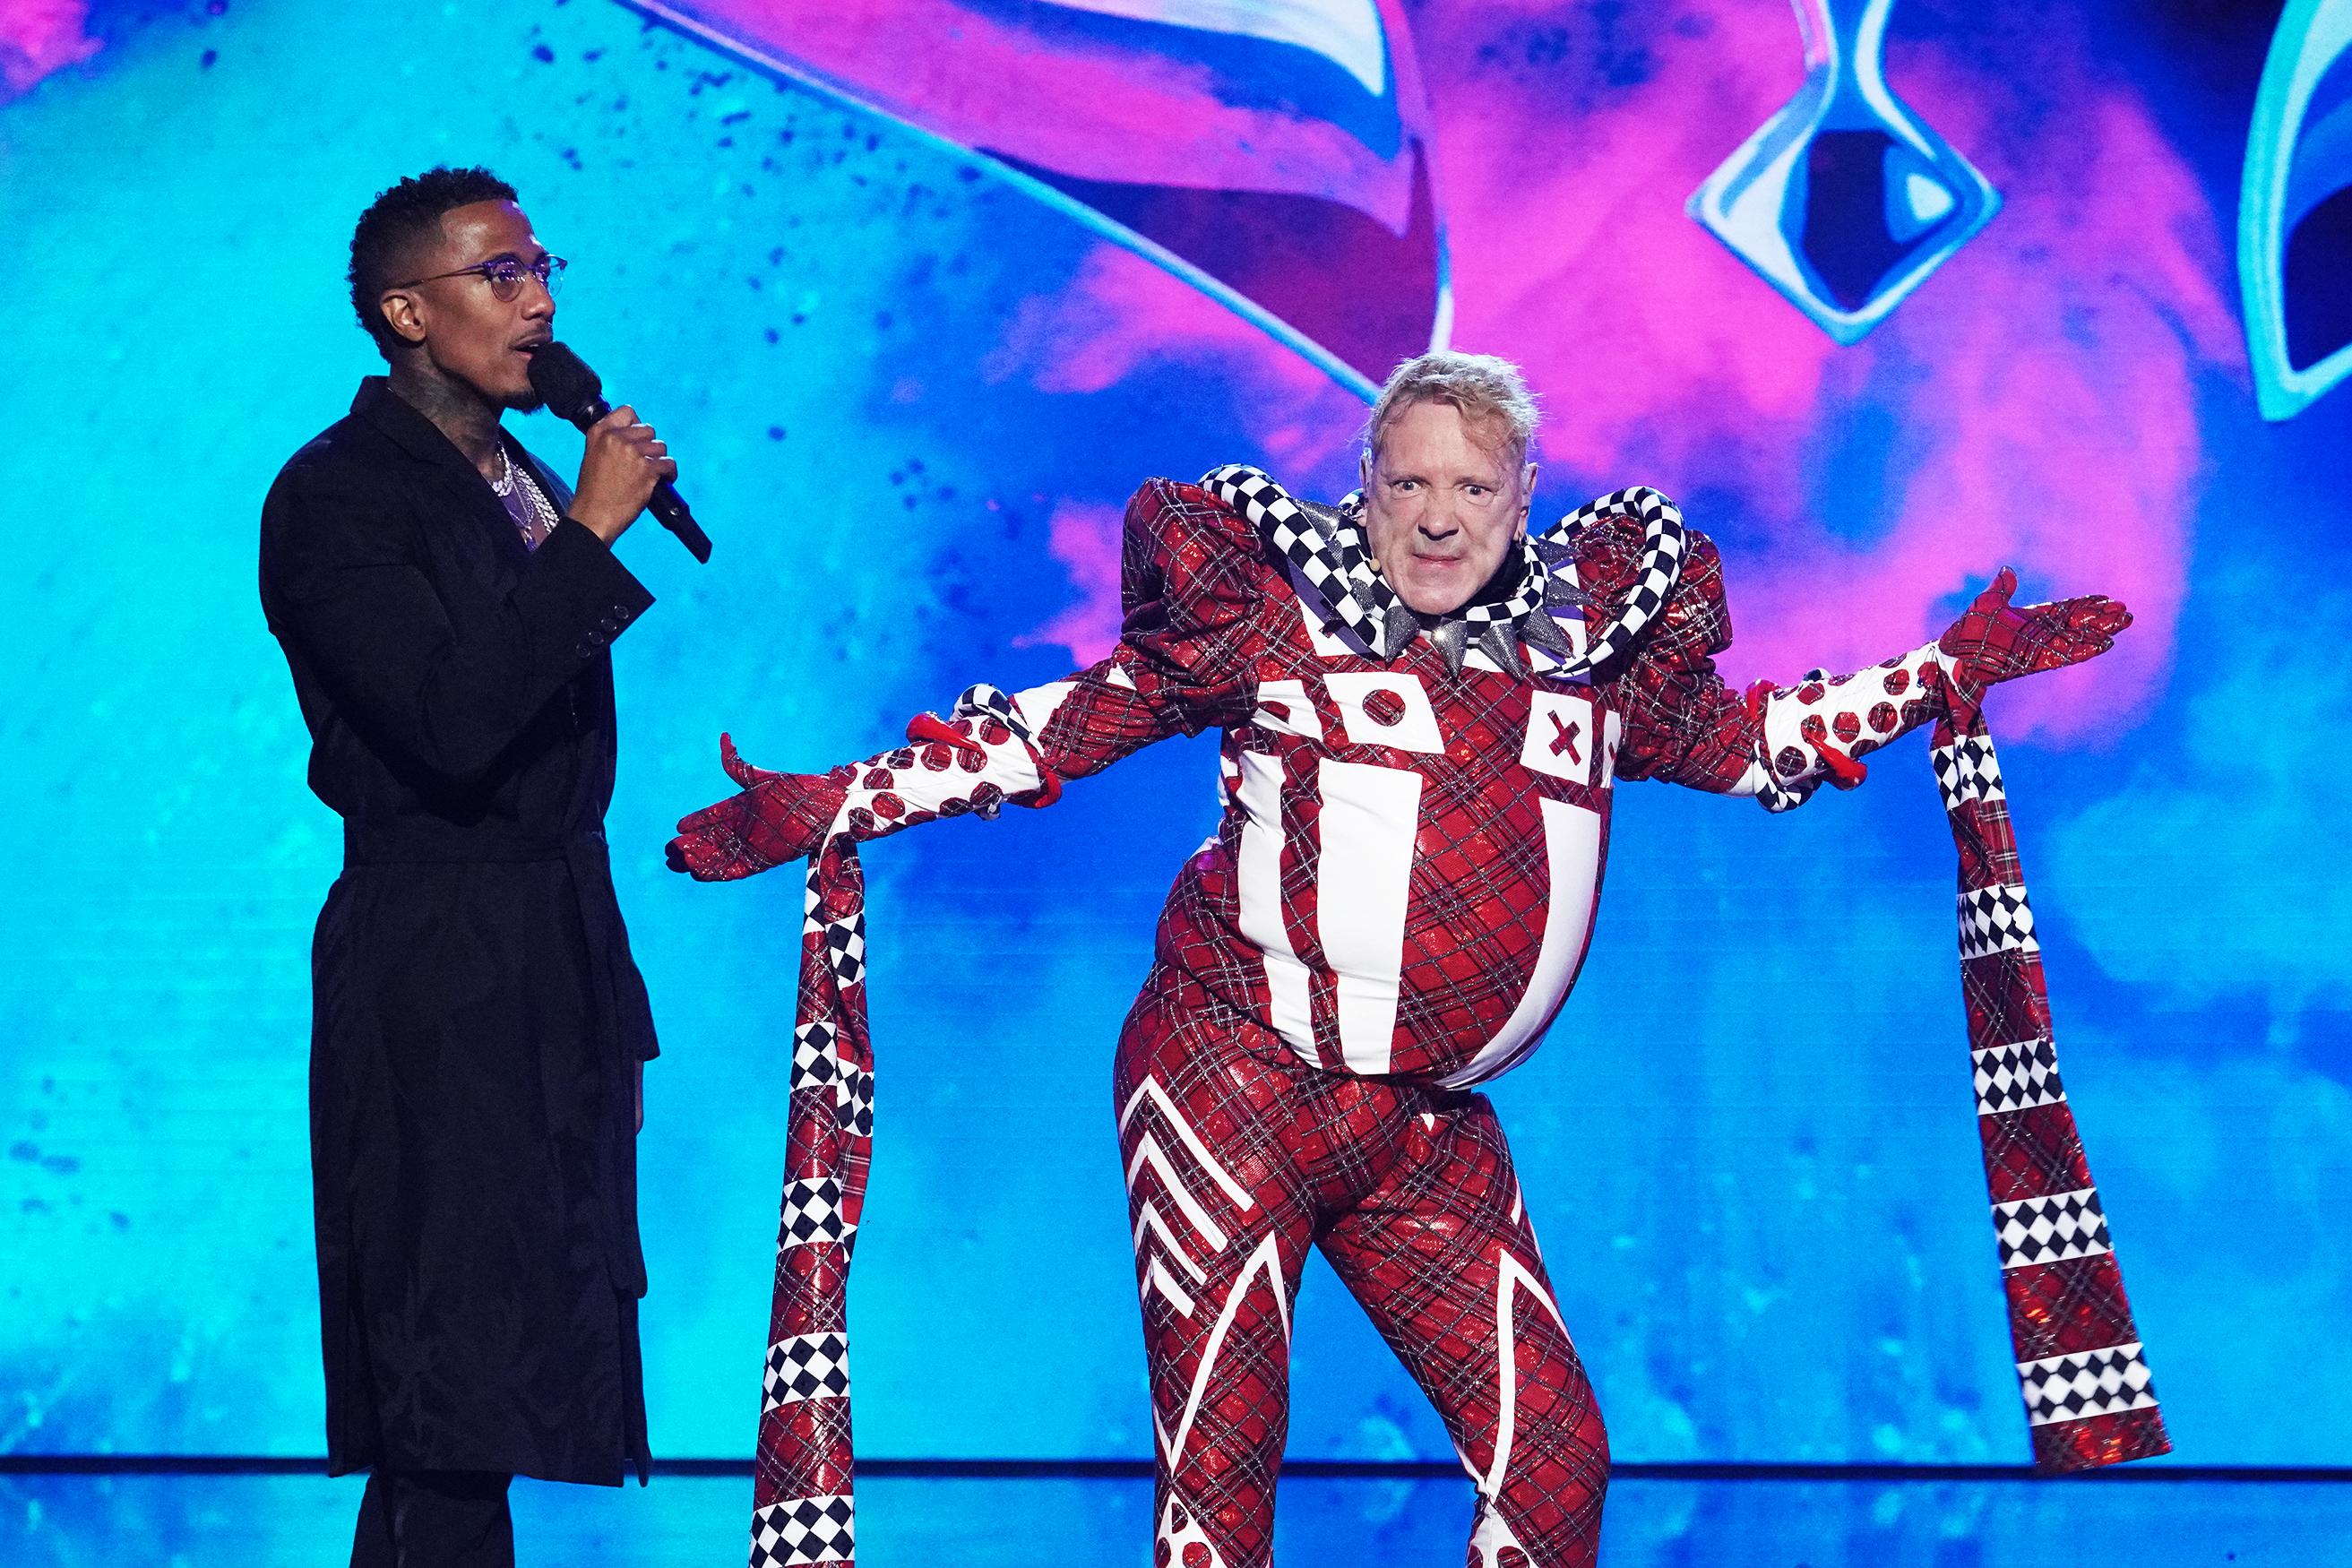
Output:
(577, 597)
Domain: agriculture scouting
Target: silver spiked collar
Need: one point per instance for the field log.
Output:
(1327, 547)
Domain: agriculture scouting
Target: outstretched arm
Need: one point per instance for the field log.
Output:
(1780, 743)
(1192, 581)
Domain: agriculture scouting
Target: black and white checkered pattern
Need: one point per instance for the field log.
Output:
(2051, 1229)
(845, 947)
(813, 1060)
(1995, 919)
(986, 699)
(1663, 546)
(2090, 1383)
(808, 1366)
(817, 1065)
(1354, 591)
(1328, 549)
(802, 1529)
(2013, 1077)
(1967, 771)
(813, 1213)
(853, 1089)
(1771, 794)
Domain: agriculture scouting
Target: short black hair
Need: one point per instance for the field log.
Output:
(397, 223)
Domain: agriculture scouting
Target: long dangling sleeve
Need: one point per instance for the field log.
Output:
(1193, 580)
(2081, 1367)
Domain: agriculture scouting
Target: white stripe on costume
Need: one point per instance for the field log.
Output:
(1363, 884)
(1572, 858)
(1259, 887)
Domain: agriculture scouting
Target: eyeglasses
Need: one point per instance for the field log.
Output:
(505, 275)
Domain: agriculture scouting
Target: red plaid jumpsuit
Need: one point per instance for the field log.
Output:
(1395, 906)
(1396, 903)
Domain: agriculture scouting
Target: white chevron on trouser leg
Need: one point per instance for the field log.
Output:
(1266, 1260)
(1156, 1238)
(1494, 1532)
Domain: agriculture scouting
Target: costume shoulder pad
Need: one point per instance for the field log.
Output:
(1698, 610)
(1631, 556)
(1181, 540)
(1168, 514)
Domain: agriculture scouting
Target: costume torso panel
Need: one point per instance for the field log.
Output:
(1405, 877)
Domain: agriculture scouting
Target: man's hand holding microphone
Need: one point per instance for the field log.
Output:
(626, 468)
(623, 462)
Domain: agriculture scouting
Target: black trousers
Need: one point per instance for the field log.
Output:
(435, 1518)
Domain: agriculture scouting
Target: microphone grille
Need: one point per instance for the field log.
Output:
(564, 380)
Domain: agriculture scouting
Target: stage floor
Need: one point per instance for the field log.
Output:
(160, 1521)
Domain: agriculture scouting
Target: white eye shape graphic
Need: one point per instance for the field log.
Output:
(2294, 212)
(1845, 201)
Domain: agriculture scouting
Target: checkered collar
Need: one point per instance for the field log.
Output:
(1326, 546)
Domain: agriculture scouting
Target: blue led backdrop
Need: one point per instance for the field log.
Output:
(1972, 299)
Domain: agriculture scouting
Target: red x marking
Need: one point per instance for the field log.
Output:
(1563, 739)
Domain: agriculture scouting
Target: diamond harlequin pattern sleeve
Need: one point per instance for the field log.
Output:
(1192, 585)
(981, 755)
(2089, 1398)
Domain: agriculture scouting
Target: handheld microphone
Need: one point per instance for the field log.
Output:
(564, 382)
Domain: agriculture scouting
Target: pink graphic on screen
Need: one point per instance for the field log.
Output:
(1276, 146)
(1086, 540)
(2034, 405)
(1330, 164)
(38, 38)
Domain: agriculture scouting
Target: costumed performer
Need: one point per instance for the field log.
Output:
(1424, 714)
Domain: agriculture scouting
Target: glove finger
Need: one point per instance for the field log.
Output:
(1994, 597)
(741, 772)
(692, 853)
(2107, 616)
(719, 814)
(712, 859)
(2083, 628)
(713, 867)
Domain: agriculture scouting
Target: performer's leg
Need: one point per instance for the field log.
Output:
(1221, 1231)
(1441, 1257)
(435, 1518)
(371, 1539)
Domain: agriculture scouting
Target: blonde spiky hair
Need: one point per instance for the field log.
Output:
(1482, 387)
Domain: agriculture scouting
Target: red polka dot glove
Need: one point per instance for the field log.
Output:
(1995, 640)
(973, 762)
(1819, 728)
(776, 818)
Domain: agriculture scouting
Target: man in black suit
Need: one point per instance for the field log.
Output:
(479, 1030)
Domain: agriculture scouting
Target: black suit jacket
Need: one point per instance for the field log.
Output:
(476, 1015)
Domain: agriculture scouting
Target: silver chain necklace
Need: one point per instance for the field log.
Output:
(504, 487)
